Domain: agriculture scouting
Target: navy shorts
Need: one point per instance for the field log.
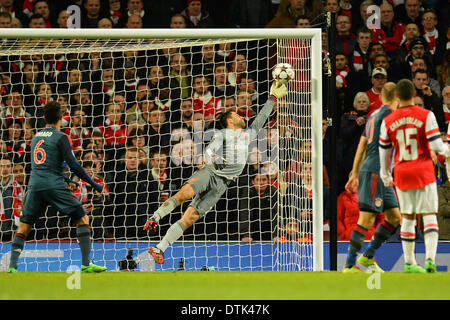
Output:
(36, 201)
(373, 196)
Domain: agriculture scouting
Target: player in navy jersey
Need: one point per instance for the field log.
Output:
(48, 185)
(373, 196)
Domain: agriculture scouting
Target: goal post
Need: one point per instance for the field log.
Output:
(294, 165)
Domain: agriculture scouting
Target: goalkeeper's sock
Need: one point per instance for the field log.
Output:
(166, 208)
(383, 232)
(431, 235)
(16, 249)
(408, 236)
(356, 241)
(173, 234)
(84, 241)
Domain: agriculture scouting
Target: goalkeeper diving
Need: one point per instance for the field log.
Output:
(225, 157)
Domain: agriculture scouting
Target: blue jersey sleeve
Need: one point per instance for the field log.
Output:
(69, 157)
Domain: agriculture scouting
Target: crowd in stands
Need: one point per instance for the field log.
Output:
(138, 120)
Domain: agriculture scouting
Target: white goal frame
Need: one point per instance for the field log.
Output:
(315, 35)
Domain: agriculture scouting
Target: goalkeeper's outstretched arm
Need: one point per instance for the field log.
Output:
(277, 91)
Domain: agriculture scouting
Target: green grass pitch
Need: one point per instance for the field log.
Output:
(203, 285)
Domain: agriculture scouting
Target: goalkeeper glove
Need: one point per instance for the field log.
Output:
(278, 90)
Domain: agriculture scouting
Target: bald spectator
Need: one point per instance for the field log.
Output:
(390, 33)
(105, 23)
(134, 22)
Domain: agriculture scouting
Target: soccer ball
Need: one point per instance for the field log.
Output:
(283, 73)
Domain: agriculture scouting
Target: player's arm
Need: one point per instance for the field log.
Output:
(277, 91)
(385, 149)
(434, 135)
(69, 157)
(214, 150)
(352, 184)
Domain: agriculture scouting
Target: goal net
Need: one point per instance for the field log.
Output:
(140, 109)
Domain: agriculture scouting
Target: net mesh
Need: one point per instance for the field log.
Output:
(139, 114)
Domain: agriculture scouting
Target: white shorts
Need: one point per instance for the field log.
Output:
(424, 200)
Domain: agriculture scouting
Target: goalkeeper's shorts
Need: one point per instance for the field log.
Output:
(373, 196)
(36, 201)
(208, 188)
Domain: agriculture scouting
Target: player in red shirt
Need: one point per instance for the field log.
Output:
(413, 131)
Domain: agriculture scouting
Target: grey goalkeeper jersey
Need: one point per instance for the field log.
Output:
(227, 153)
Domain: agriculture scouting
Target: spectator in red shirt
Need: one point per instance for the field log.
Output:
(379, 78)
(348, 214)
(113, 129)
(202, 98)
(77, 130)
(390, 33)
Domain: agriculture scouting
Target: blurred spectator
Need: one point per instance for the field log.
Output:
(161, 174)
(11, 198)
(249, 13)
(257, 210)
(78, 132)
(15, 144)
(41, 7)
(289, 10)
(196, 16)
(94, 204)
(13, 8)
(221, 86)
(419, 49)
(332, 6)
(443, 214)
(104, 23)
(113, 130)
(156, 127)
(132, 194)
(5, 20)
(419, 64)
(63, 16)
(134, 21)
(244, 106)
(443, 70)
(430, 100)
(430, 33)
(379, 78)
(179, 75)
(348, 215)
(203, 62)
(93, 12)
(185, 118)
(13, 110)
(238, 67)
(390, 33)
(115, 12)
(410, 12)
(446, 103)
(361, 53)
(202, 98)
(177, 21)
(345, 39)
(352, 126)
